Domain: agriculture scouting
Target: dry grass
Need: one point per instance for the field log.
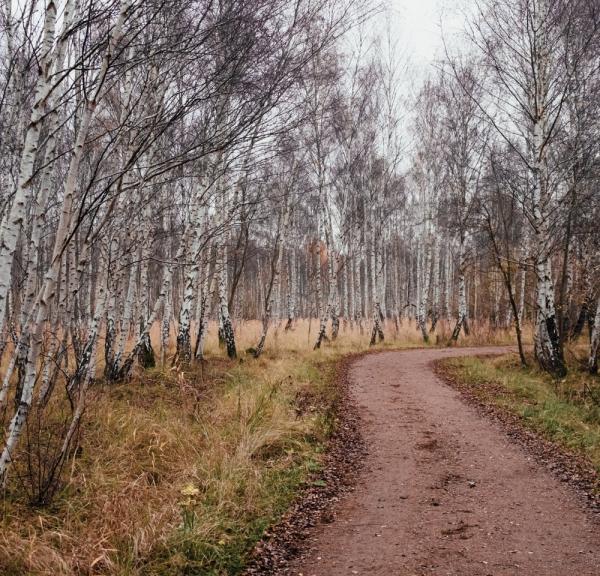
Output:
(180, 473)
(120, 511)
(355, 338)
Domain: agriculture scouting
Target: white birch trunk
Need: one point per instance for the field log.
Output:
(125, 324)
(323, 310)
(377, 332)
(522, 283)
(165, 329)
(462, 320)
(204, 306)
(547, 343)
(595, 342)
(358, 303)
(292, 289)
(275, 277)
(184, 340)
(423, 302)
(16, 216)
(449, 281)
(435, 304)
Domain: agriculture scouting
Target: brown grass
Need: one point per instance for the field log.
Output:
(181, 472)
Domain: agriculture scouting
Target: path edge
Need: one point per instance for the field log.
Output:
(565, 465)
(316, 502)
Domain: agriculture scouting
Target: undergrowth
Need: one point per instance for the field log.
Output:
(180, 473)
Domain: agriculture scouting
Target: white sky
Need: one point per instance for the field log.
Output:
(419, 29)
(420, 26)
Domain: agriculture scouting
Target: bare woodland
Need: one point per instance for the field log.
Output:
(191, 165)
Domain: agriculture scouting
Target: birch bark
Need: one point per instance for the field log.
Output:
(273, 285)
(292, 289)
(322, 310)
(184, 342)
(226, 325)
(376, 269)
(48, 290)
(462, 321)
(423, 302)
(595, 342)
(14, 221)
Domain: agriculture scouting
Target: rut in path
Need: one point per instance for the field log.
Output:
(444, 491)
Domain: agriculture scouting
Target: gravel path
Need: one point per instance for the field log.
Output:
(444, 491)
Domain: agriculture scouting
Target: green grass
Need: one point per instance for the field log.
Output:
(272, 455)
(563, 411)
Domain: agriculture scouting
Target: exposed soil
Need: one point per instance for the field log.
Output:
(443, 489)
(566, 465)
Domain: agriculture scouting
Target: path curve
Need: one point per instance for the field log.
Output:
(444, 491)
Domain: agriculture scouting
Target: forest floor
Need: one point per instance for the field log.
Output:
(183, 472)
(445, 489)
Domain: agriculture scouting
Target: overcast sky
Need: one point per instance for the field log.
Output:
(420, 26)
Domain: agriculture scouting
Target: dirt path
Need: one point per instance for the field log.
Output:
(444, 491)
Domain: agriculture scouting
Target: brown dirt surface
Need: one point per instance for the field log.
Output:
(443, 490)
(566, 465)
